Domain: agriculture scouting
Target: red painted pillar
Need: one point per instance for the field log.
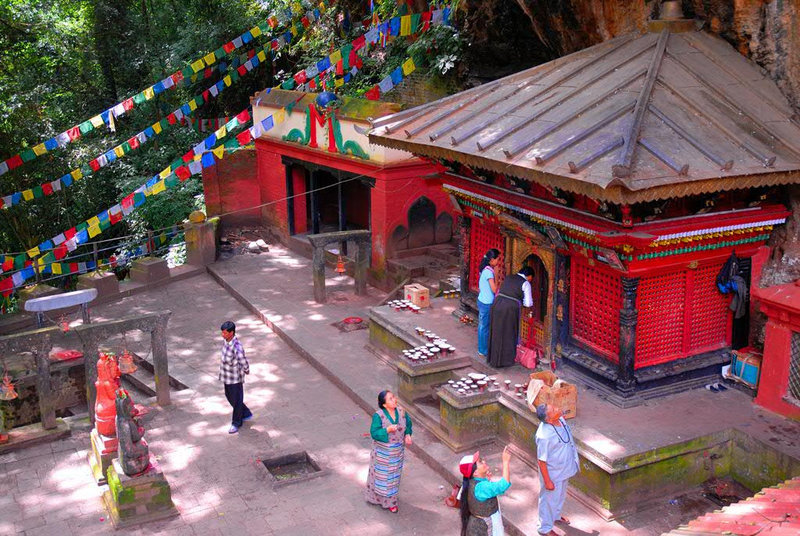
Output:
(781, 304)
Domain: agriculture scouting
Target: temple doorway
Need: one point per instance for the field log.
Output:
(536, 332)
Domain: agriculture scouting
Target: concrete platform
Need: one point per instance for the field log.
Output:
(614, 436)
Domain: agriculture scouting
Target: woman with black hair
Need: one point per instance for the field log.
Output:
(480, 511)
(487, 288)
(514, 294)
(391, 432)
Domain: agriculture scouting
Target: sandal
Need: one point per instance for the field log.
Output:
(393, 509)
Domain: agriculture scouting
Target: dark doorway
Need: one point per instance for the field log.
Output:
(336, 203)
(740, 336)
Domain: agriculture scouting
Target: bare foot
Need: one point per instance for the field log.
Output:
(565, 520)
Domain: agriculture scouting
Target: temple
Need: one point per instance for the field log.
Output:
(626, 175)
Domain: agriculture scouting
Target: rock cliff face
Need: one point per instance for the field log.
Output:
(515, 34)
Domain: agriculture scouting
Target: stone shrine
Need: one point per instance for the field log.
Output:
(104, 434)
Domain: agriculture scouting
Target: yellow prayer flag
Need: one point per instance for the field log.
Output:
(209, 58)
(56, 268)
(93, 230)
(335, 57)
(219, 152)
(197, 66)
(149, 93)
(119, 151)
(338, 82)
(261, 56)
(27, 195)
(40, 262)
(93, 221)
(192, 105)
(158, 188)
(39, 150)
(227, 80)
(97, 121)
(221, 132)
(297, 8)
(165, 173)
(255, 31)
(33, 252)
(157, 128)
(279, 116)
(76, 174)
(405, 25)
(408, 66)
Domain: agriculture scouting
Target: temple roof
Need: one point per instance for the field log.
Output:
(636, 118)
(349, 107)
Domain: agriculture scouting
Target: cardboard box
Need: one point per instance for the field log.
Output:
(417, 294)
(562, 395)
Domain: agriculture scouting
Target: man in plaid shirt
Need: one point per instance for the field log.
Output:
(232, 369)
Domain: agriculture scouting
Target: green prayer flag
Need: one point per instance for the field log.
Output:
(171, 181)
(415, 22)
(139, 98)
(231, 143)
(288, 84)
(86, 170)
(19, 262)
(27, 155)
(86, 127)
(234, 76)
(37, 192)
(178, 162)
(81, 226)
(49, 257)
(105, 224)
(220, 53)
(126, 147)
(346, 57)
(164, 124)
(187, 72)
(198, 100)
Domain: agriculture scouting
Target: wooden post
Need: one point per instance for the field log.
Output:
(43, 384)
(363, 250)
(314, 203)
(158, 343)
(318, 273)
(90, 356)
(628, 318)
(289, 197)
(561, 304)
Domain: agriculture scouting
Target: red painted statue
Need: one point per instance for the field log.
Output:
(105, 411)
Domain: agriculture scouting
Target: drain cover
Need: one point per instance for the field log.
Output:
(290, 468)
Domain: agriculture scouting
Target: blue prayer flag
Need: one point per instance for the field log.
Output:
(16, 197)
(158, 87)
(210, 141)
(47, 245)
(103, 215)
(50, 144)
(82, 236)
(323, 64)
(397, 76)
(66, 180)
(267, 123)
(186, 110)
(207, 160)
(104, 115)
(138, 199)
(394, 25)
(149, 132)
(247, 37)
(111, 156)
(28, 272)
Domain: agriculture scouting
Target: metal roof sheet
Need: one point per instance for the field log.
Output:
(635, 118)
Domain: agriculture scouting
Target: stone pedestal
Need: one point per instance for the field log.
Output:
(418, 380)
(469, 420)
(36, 291)
(105, 283)
(131, 500)
(104, 451)
(149, 270)
(201, 246)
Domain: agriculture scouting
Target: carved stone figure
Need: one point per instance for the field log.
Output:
(134, 454)
(107, 383)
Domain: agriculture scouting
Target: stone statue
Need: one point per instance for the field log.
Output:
(134, 455)
(107, 383)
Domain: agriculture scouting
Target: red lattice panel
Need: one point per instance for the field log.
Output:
(659, 333)
(483, 237)
(531, 333)
(596, 301)
(710, 316)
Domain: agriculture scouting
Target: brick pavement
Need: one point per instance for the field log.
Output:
(216, 485)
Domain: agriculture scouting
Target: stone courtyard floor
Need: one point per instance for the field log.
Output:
(311, 387)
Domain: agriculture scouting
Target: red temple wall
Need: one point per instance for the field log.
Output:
(231, 186)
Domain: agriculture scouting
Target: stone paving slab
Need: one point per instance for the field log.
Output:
(216, 485)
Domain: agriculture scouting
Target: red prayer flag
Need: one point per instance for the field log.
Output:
(359, 43)
(243, 116)
(6, 286)
(73, 267)
(305, 22)
(69, 234)
(127, 202)
(373, 94)
(244, 137)
(205, 95)
(8, 264)
(60, 252)
(94, 164)
(273, 21)
(242, 70)
(2, 203)
(14, 161)
(114, 218)
(171, 119)
(183, 173)
(300, 77)
(74, 133)
(188, 156)
(312, 85)
(128, 104)
(229, 47)
(47, 188)
(134, 142)
(274, 44)
(177, 77)
(207, 73)
(340, 67)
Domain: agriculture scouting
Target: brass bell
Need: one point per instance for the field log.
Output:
(126, 363)
(7, 391)
(340, 269)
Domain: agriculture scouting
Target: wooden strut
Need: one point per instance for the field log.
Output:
(487, 141)
(510, 153)
(680, 170)
(455, 140)
(525, 121)
(623, 166)
(725, 165)
(606, 119)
